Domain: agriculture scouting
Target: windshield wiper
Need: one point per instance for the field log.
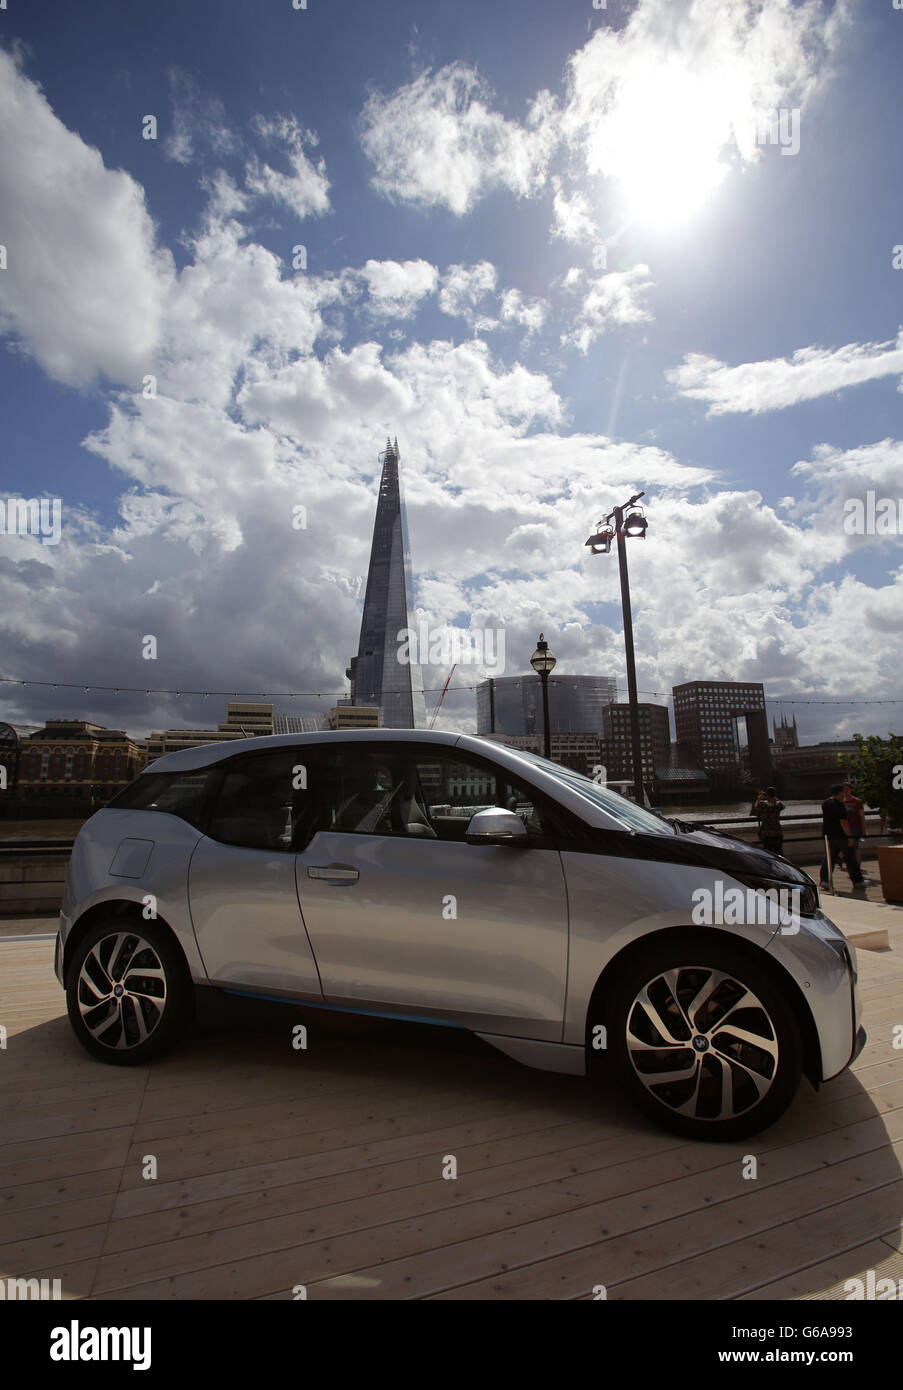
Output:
(681, 826)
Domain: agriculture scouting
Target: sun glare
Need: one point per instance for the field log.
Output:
(666, 140)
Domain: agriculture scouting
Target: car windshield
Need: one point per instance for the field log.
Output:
(631, 815)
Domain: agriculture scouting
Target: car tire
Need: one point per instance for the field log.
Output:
(669, 1013)
(128, 991)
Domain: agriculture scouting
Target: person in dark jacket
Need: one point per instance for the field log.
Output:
(768, 810)
(838, 832)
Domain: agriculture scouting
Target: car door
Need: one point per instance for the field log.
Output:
(406, 918)
(242, 887)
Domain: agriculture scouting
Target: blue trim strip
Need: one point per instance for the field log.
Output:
(341, 1008)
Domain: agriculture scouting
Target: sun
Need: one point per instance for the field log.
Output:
(663, 143)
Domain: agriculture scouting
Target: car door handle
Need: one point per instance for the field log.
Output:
(333, 873)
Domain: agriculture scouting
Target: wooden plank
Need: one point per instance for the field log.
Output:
(420, 1126)
(70, 1246)
(79, 1186)
(796, 1245)
(827, 1279)
(394, 1184)
(420, 1255)
(88, 1119)
(82, 1154)
(29, 1223)
(721, 1238)
(484, 1144)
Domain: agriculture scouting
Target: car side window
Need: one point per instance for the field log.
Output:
(420, 793)
(456, 787)
(362, 792)
(181, 794)
(265, 801)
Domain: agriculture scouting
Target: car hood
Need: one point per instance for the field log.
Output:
(705, 848)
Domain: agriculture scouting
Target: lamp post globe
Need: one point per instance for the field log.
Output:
(543, 663)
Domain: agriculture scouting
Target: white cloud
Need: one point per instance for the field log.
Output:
(573, 218)
(526, 310)
(611, 300)
(436, 141)
(261, 406)
(224, 199)
(303, 191)
(397, 287)
(84, 286)
(233, 295)
(198, 120)
(665, 104)
(755, 387)
(833, 476)
(463, 288)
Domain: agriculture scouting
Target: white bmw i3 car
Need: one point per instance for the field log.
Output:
(449, 880)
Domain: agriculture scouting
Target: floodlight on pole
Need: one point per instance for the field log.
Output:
(623, 522)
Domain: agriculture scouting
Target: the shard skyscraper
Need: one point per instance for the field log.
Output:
(377, 675)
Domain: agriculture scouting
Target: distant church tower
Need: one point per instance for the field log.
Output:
(785, 735)
(377, 676)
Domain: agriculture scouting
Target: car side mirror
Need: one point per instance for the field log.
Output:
(496, 826)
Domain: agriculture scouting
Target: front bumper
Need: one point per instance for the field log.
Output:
(820, 959)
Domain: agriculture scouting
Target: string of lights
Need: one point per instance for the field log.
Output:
(343, 694)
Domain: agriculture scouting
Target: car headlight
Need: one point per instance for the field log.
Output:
(801, 898)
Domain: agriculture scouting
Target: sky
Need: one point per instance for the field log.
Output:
(564, 252)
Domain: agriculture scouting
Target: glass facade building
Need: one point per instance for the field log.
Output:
(513, 704)
(378, 675)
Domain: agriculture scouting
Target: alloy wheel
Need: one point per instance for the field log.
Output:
(121, 990)
(702, 1043)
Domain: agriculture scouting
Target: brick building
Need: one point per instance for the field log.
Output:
(73, 760)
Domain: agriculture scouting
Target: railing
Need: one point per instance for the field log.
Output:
(35, 847)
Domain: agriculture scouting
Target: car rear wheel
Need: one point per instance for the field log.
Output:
(704, 1040)
(128, 992)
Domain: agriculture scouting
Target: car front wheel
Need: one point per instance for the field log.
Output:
(704, 1039)
(128, 993)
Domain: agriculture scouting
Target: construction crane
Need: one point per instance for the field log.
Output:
(442, 696)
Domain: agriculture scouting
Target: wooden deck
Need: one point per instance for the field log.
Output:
(324, 1168)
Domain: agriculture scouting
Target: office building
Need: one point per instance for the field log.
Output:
(243, 720)
(617, 741)
(513, 704)
(707, 715)
(378, 676)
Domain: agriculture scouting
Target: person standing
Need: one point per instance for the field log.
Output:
(768, 811)
(856, 817)
(838, 832)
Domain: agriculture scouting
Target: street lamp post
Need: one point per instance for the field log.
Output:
(543, 663)
(621, 523)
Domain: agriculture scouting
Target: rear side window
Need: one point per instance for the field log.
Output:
(261, 801)
(181, 794)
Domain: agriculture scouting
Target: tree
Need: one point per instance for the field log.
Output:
(876, 771)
